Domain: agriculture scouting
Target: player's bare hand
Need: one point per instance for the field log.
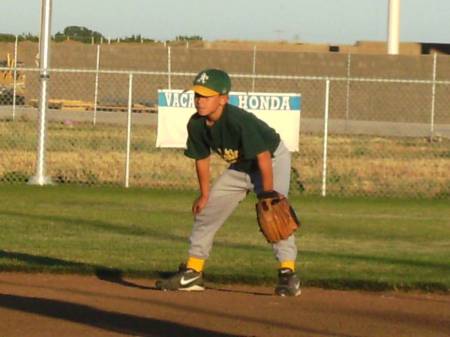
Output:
(199, 204)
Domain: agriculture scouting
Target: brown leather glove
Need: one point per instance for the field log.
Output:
(276, 218)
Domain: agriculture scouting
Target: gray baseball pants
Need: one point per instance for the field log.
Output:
(225, 195)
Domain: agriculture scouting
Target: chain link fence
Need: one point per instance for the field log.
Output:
(381, 129)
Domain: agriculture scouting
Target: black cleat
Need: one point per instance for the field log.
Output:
(288, 283)
(185, 279)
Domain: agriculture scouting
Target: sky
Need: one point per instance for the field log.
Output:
(305, 21)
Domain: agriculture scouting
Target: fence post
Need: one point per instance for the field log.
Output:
(169, 68)
(97, 68)
(14, 80)
(347, 100)
(325, 139)
(130, 107)
(44, 63)
(433, 96)
(254, 68)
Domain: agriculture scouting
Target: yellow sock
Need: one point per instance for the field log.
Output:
(195, 263)
(288, 264)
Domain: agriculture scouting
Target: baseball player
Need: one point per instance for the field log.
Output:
(259, 162)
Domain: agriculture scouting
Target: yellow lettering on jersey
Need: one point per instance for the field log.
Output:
(231, 156)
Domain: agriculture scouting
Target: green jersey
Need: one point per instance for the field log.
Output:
(237, 136)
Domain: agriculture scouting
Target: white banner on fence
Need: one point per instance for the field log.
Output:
(280, 110)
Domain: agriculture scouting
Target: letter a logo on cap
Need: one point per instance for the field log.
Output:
(203, 78)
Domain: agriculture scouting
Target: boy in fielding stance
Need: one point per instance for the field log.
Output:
(259, 162)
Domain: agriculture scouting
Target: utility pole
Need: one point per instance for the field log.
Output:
(393, 27)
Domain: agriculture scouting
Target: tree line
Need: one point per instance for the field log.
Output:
(85, 35)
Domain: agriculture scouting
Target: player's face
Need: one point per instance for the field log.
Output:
(208, 105)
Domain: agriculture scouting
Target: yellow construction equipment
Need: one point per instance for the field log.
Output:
(9, 84)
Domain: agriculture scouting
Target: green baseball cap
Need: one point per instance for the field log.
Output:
(212, 82)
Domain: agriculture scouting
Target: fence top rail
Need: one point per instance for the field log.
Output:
(236, 75)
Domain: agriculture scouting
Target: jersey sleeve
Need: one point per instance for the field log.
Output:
(196, 146)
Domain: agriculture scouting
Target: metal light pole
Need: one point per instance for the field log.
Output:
(394, 27)
(44, 56)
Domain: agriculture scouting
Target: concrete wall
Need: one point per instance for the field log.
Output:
(383, 101)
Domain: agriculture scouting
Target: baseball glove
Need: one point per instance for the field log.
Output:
(276, 218)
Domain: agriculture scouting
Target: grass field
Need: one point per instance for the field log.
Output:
(348, 243)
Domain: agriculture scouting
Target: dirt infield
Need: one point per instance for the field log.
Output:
(68, 305)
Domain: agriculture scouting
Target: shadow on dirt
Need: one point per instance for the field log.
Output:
(116, 276)
(237, 291)
(106, 320)
(36, 263)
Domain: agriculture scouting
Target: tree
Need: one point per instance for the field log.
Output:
(22, 37)
(78, 33)
(188, 38)
(7, 38)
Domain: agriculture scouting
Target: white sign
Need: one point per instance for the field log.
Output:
(280, 110)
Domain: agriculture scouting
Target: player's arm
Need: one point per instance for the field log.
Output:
(202, 168)
(265, 166)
